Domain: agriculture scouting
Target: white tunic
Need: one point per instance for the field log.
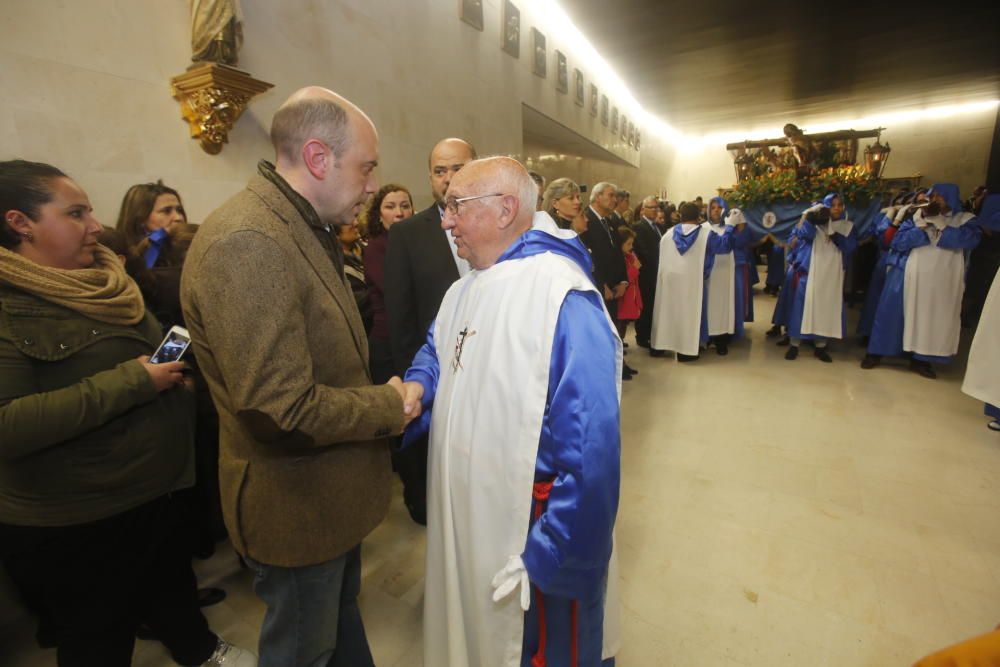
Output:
(932, 290)
(680, 290)
(982, 375)
(721, 290)
(822, 314)
(493, 335)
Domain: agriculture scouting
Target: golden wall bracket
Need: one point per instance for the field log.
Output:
(212, 98)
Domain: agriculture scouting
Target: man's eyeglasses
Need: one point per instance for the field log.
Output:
(451, 204)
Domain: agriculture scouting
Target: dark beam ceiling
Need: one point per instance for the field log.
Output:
(714, 65)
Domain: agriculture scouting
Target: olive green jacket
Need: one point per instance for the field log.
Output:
(304, 467)
(83, 433)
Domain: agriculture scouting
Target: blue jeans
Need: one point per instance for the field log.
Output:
(312, 617)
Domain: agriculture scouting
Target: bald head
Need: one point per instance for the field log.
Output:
(315, 113)
(501, 209)
(327, 151)
(446, 158)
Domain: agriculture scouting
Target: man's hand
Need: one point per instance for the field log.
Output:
(620, 290)
(608, 294)
(410, 393)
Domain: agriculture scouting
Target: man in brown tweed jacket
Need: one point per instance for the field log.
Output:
(304, 464)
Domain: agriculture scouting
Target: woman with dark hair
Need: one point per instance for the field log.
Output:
(147, 208)
(96, 439)
(391, 204)
(153, 223)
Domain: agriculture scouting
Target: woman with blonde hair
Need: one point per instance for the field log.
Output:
(562, 201)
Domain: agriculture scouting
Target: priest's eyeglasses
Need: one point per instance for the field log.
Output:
(451, 204)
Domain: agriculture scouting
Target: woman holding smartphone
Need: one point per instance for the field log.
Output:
(94, 437)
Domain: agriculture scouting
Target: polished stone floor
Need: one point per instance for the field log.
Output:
(772, 513)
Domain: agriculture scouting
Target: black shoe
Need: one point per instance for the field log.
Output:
(657, 353)
(683, 358)
(923, 369)
(774, 331)
(629, 369)
(418, 512)
(792, 354)
(626, 377)
(209, 596)
(994, 425)
(823, 355)
(721, 349)
(624, 345)
(784, 342)
(642, 343)
(871, 361)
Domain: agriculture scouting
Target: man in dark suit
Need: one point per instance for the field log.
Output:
(421, 264)
(647, 249)
(609, 262)
(620, 216)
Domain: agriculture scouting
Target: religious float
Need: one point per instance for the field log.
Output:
(779, 178)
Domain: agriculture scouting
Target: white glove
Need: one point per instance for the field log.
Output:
(902, 212)
(890, 212)
(736, 218)
(507, 579)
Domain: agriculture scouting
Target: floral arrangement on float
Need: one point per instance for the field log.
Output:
(856, 184)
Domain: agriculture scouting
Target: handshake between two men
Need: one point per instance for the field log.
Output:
(410, 393)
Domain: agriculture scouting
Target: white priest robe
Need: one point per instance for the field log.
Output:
(721, 289)
(493, 338)
(932, 289)
(680, 291)
(982, 375)
(823, 312)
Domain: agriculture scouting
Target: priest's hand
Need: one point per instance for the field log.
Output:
(507, 579)
(412, 408)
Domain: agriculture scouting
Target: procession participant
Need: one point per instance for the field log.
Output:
(982, 375)
(826, 239)
(520, 373)
(680, 317)
(933, 280)
(877, 282)
(727, 284)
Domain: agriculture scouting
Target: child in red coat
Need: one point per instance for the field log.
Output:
(629, 303)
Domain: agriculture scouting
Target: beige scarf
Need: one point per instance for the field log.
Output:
(103, 292)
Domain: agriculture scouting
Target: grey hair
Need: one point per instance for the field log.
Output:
(559, 188)
(313, 118)
(599, 188)
(653, 198)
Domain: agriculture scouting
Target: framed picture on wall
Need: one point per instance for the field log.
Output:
(538, 48)
(593, 100)
(578, 83)
(472, 13)
(637, 138)
(604, 110)
(614, 120)
(624, 128)
(511, 28)
(562, 73)
(631, 134)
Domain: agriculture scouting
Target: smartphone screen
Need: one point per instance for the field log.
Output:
(173, 346)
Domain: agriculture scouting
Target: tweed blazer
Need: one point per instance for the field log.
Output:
(303, 459)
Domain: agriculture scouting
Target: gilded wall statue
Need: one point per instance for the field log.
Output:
(216, 31)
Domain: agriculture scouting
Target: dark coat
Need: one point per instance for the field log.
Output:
(609, 262)
(419, 269)
(647, 249)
